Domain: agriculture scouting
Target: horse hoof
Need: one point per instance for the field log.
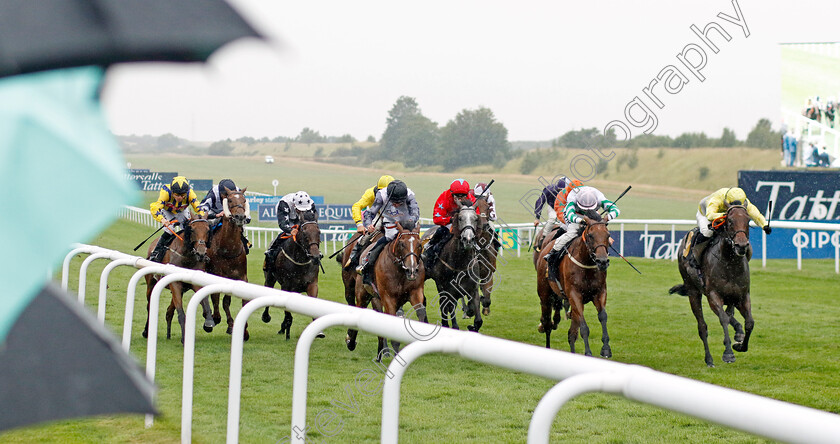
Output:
(266, 317)
(540, 328)
(471, 328)
(217, 319)
(739, 347)
(230, 330)
(145, 334)
(486, 311)
(351, 344)
(321, 335)
(208, 329)
(246, 336)
(606, 352)
(728, 358)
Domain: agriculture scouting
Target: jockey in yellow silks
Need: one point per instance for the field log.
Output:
(366, 201)
(714, 206)
(169, 206)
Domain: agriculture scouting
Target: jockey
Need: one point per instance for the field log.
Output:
(447, 203)
(287, 219)
(396, 202)
(213, 205)
(548, 197)
(170, 205)
(714, 206)
(491, 201)
(580, 200)
(366, 201)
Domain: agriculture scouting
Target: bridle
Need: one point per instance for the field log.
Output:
(305, 249)
(401, 260)
(593, 249)
(724, 222)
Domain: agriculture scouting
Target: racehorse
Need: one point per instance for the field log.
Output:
(398, 277)
(488, 245)
(725, 268)
(227, 255)
(451, 271)
(191, 252)
(348, 277)
(582, 278)
(296, 265)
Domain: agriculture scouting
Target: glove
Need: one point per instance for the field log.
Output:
(767, 229)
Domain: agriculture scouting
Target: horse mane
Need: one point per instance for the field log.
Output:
(408, 224)
(593, 214)
(310, 216)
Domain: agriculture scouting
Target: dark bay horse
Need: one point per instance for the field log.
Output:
(227, 254)
(398, 278)
(582, 278)
(726, 282)
(485, 267)
(296, 265)
(451, 271)
(348, 277)
(190, 253)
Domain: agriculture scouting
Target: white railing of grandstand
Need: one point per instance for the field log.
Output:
(738, 410)
(335, 239)
(806, 130)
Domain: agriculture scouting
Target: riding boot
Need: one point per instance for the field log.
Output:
(430, 254)
(160, 249)
(354, 253)
(553, 261)
(246, 244)
(367, 271)
(271, 253)
(697, 249)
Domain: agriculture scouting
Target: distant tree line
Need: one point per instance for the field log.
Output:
(761, 136)
(472, 137)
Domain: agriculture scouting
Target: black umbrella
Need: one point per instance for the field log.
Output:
(59, 362)
(38, 35)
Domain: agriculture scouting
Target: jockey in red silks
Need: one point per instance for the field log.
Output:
(448, 203)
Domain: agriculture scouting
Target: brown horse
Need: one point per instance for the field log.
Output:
(348, 277)
(190, 253)
(451, 271)
(583, 278)
(485, 267)
(726, 271)
(398, 277)
(297, 264)
(227, 254)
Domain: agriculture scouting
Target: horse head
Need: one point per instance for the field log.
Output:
(309, 236)
(236, 206)
(407, 248)
(198, 232)
(737, 229)
(466, 223)
(596, 237)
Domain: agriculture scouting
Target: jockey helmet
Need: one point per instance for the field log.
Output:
(479, 189)
(587, 199)
(459, 186)
(180, 185)
(226, 183)
(384, 181)
(734, 195)
(302, 201)
(397, 191)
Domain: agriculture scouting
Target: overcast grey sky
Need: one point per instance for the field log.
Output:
(543, 67)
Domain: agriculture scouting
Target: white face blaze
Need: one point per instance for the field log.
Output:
(225, 207)
(411, 258)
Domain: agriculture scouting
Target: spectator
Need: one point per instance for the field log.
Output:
(792, 145)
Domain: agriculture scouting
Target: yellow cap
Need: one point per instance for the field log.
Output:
(384, 181)
(734, 194)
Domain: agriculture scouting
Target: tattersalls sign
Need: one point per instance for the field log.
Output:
(796, 195)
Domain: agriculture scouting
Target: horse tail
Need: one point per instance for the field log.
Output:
(678, 289)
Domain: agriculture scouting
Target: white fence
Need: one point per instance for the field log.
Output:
(336, 238)
(807, 129)
(579, 374)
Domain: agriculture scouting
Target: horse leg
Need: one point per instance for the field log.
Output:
(226, 307)
(182, 316)
(739, 330)
(545, 321)
(447, 308)
(208, 315)
(578, 323)
(745, 309)
(486, 291)
(716, 303)
(600, 303)
(286, 325)
(359, 299)
(312, 291)
(557, 306)
(217, 315)
(149, 285)
(266, 318)
(389, 306)
(416, 299)
(695, 299)
(175, 289)
(476, 305)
